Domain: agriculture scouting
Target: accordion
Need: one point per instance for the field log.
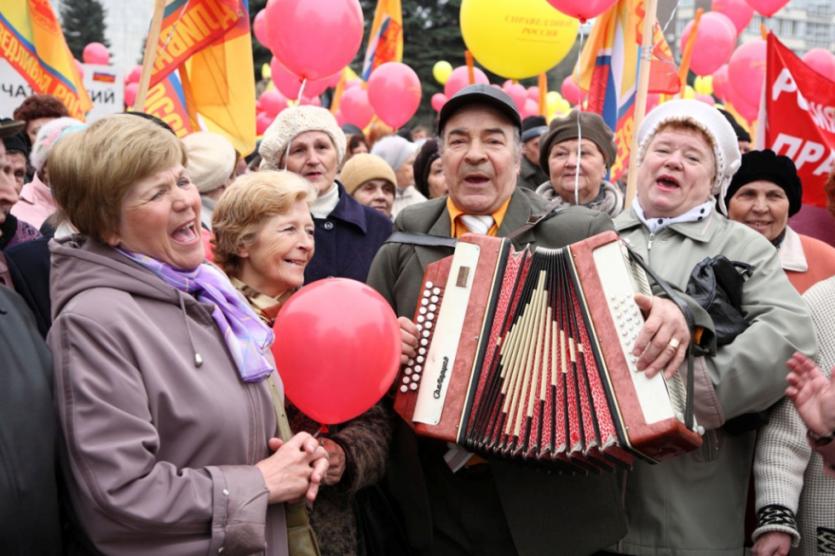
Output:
(527, 355)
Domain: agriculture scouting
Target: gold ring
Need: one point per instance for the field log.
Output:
(674, 343)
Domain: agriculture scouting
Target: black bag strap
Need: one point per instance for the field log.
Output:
(551, 209)
(691, 324)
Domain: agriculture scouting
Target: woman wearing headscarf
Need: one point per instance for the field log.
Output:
(580, 180)
(306, 140)
(164, 382)
(695, 503)
(371, 181)
(763, 194)
(428, 171)
(264, 239)
(36, 203)
(400, 154)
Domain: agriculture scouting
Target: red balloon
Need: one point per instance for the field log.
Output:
(715, 41)
(289, 83)
(260, 28)
(438, 101)
(739, 11)
(315, 39)
(311, 101)
(822, 61)
(95, 53)
(746, 73)
(272, 102)
(130, 93)
(394, 93)
(519, 95)
(262, 122)
(355, 107)
(767, 7)
(582, 9)
(459, 78)
(336, 368)
(720, 82)
(134, 75)
(571, 92)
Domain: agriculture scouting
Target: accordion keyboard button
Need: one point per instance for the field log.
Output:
(407, 371)
(424, 342)
(433, 307)
(436, 290)
(431, 316)
(424, 301)
(420, 320)
(429, 285)
(406, 380)
(413, 386)
(423, 310)
(404, 388)
(419, 359)
(422, 351)
(418, 368)
(434, 299)
(425, 333)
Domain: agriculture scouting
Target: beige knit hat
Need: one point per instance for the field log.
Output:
(363, 167)
(292, 121)
(211, 159)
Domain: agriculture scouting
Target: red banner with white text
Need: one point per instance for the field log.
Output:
(800, 118)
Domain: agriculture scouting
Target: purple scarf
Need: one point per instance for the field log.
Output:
(247, 338)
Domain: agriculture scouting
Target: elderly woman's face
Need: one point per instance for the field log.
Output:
(562, 169)
(313, 156)
(274, 263)
(160, 218)
(676, 174)
(377, 194)
(761, 205)
(436, 179)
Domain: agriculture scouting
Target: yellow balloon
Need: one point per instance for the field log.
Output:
(441, 71)
(266, 72)
(689, 92)
(704, 84)
(517, 39)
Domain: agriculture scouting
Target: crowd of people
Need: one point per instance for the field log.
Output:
(141, 276)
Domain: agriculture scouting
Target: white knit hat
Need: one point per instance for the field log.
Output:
(211, 159)
(48, 136)
(394, 149)
(292, 121)
(708, 119)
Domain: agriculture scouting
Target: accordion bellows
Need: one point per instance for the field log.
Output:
(527, 355)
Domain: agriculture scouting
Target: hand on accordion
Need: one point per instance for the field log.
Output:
(662, 342)
(408, 339)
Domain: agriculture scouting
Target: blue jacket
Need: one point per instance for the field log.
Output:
(347, 240)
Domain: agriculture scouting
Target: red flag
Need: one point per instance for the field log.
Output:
(800, 118)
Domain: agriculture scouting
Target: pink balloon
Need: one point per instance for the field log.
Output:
(652, 101)
(570, 91)
(531, 108)
(394, 93)
(533, 93)
(720, 82)
(747, 111)
(459, 79)
(340, 119)
(310, 101)
(80, 69)
(289, 83)
(438, 101)
(134, 75)
(767, 7)
(822, 61)
(746, 73)
(262, 122)
(739, 12)
(582, 9)
(315, 39)
(130, 93)
(519, 95)
(715, 41)
(260, 28)
(707, 99)
(355, 107)
(95, 53)
(272, 102)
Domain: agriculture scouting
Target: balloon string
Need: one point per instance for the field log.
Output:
(579, 134)
(301, 90)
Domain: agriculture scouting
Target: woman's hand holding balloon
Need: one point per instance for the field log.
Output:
(295, 469)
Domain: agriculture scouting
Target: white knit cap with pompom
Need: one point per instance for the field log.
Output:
(708, 119)
(292, 121)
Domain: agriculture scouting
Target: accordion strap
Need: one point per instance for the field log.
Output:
(676, 298)
(424, 240)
